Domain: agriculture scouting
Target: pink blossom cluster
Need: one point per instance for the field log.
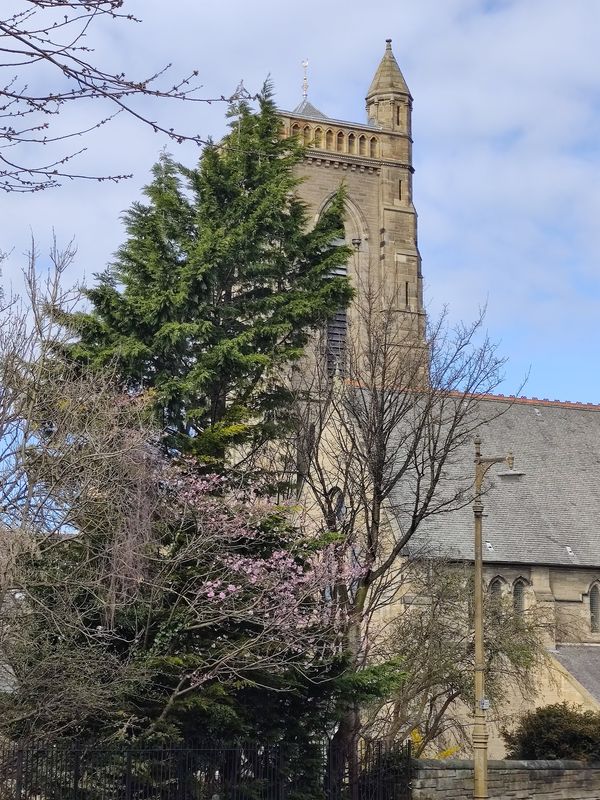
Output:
(218, 590)
(286, 596)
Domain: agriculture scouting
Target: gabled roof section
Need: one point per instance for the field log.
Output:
(306, 109)
(388, 78)
(583, 662)
(545, 512)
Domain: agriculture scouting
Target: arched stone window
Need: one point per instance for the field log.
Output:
(318, 137)
(329, 140)
(295, 129)
(362, 146)
(337, 505)
(351, 143)
(495, 588)
(595, 608)
(307, 135)
(340, 142)
(519, 587)
(373, 148)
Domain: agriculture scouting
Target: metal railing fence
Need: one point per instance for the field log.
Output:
(246, 771)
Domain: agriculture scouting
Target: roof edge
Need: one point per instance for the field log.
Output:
(510, 399)
(539, 401)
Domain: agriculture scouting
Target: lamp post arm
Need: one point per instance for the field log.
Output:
(483, 464)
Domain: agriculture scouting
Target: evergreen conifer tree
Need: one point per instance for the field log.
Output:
(218, 286)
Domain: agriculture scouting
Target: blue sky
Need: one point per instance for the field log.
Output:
(507, 148)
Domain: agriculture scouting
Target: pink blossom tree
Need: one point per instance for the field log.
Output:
(133, 590)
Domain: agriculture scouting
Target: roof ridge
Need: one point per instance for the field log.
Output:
(539, 401)
(503, 398)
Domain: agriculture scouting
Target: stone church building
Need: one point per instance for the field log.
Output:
(541, 529)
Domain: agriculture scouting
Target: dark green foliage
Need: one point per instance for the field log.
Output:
(217, 288)
(209, 303)
(558, 731)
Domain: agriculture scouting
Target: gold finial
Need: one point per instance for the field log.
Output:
(305, 79)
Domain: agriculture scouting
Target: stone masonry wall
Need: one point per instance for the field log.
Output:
(507, 780)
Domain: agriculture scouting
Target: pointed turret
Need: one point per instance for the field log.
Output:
(388, 99)
(388, 78)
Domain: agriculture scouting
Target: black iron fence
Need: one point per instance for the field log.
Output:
(41, 771)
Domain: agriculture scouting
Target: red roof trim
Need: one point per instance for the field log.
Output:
(509, 398)
(537, 401)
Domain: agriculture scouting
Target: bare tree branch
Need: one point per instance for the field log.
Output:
(375, 443)
(49, 40)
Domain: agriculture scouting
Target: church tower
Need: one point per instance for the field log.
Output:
(374, 161)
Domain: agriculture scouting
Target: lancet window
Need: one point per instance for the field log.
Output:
(519, 587)
(595, 608)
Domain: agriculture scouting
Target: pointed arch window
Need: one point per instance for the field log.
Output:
(595, 608)
(373, 148)
(362, 146)
(295, 129)
(318, 137)
(495, 589)
(329, 140)
(337, 507)
(519, 587)
(307, 136)
(351, 143)
(340, 142)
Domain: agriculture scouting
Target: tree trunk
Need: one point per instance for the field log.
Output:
(343, 752)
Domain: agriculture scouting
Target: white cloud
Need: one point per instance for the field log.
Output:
(506, 125)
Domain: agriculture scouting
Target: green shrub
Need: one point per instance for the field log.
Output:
(556, 732)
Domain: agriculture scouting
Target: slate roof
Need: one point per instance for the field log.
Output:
(583, 662)
(550, 514)
(306, 109)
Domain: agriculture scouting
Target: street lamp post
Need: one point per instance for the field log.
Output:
(480, 734)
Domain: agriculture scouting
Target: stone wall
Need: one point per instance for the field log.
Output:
(507, 780)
